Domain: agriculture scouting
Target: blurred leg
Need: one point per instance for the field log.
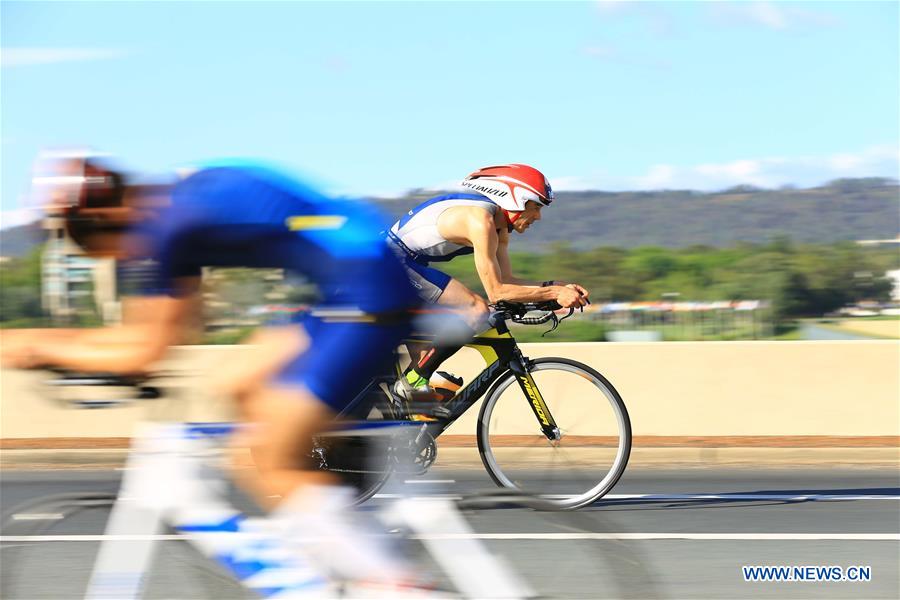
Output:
(280, 425)
(474, 308)
(473, 311)
(262, 355)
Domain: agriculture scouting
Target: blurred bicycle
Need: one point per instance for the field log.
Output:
(174, 490)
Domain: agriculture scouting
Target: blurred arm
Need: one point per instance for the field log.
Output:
(127, 349)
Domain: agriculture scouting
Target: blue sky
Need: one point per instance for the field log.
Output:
(375, 98)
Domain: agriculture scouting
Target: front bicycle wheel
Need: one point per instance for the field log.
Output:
(592, 452)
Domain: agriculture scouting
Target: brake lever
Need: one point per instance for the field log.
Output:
(571, 312)
(558, 320)
(555, 320)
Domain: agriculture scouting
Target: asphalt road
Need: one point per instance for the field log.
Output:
(661, 534)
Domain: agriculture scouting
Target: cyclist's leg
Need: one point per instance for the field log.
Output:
(264, 353)
(282, 423)
(343, 357)
(305, 394)
(473, 310)
(436, 287)
(474, 307)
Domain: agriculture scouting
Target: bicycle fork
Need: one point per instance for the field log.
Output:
(535, 400)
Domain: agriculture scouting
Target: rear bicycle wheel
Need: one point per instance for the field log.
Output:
(363, 463)
(564, 474)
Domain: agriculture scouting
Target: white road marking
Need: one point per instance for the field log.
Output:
(666, 497)
(683, 536)
(428, 481)
(38, 516)
(891, 537)
(683, 497)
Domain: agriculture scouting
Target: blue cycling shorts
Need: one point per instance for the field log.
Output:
(428, 281)
(342, 358)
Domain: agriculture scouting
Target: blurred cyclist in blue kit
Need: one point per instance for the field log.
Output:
(240, 215)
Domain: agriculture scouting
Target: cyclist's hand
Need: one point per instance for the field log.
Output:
(578, 289)
(22, 356)
(569, 297)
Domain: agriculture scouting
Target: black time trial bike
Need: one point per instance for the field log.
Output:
(551, 428)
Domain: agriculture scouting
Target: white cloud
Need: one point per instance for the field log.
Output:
(766, 14)
(652, 14)
(768, 172)
(845, 162)
(23, 57)
(876, 161)
(613, 6)
(738, 171)
(569, 183)
(659, 176)
(771, 15)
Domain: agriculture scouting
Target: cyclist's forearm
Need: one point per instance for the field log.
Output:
(106, 358)
(125, 349)
(524, 282)
(522, 293)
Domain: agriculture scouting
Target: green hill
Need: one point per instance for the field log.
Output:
(20, 240)
(847, 209)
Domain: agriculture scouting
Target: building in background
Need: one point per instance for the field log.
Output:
(72, 283)
(894, 276)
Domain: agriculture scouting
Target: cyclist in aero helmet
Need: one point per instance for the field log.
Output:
(300, 375)
(85, 190)
(479, 219)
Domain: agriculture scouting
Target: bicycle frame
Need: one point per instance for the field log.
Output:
(500, 352)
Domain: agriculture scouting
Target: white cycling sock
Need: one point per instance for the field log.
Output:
(321, 521)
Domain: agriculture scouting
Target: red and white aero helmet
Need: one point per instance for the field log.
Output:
(511, 186)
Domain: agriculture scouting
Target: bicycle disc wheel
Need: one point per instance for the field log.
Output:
(573, 471)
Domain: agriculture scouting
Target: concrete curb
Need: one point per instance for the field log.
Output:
(661, 457)
(449, 440)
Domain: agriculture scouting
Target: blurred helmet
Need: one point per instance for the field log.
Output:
(511, 186)
(66, 182)
(80, 187)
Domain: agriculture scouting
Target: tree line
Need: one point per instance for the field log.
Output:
(798, 280)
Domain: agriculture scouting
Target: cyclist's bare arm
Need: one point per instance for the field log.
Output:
(129, 348)
(506, 265)
(506, 268)
(486, 243)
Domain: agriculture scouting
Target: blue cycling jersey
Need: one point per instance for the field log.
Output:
(253, 216)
